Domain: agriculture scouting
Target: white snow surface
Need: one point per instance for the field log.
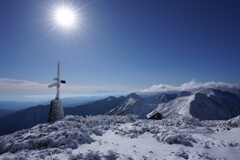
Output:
(125, 138)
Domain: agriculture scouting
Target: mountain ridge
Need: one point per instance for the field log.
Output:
(208, 104)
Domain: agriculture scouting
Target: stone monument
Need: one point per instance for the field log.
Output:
(56, 110)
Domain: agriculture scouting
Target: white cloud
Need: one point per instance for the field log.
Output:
(23, 87)
(191, 86)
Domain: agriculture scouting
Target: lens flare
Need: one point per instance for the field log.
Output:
(65, 17)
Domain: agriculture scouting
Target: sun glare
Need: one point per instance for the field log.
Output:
(65, 17)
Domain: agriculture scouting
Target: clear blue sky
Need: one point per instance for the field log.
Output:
(134, 43)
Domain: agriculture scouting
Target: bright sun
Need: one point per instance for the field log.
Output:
(65, 17)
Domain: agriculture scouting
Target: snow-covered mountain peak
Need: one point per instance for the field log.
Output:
(134, 96)
(134, 104)
(178, 106)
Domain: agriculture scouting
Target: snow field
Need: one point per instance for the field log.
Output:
(124, 137)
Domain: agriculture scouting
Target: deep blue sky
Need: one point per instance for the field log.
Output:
(134, 43)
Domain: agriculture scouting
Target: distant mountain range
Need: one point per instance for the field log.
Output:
(207, 104)
(67, 102)
(15, 105)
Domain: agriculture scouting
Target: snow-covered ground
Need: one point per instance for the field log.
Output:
(124, 137)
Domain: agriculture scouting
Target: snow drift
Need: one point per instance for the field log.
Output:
(124, 137)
